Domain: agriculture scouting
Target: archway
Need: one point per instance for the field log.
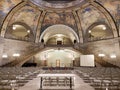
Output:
(19, 31)
(59, 32)
(98, 31)
(56, 57)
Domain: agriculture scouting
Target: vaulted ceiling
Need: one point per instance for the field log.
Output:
(80, 15)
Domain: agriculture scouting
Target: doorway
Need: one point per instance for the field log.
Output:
(59, 42)
(57, 63)
(45, 62)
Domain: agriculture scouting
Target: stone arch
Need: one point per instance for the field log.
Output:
(94, 25)
(108, 17)
(68, 29)
(8, 17)
(26, 30)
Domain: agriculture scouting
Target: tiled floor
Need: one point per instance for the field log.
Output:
(35, 85)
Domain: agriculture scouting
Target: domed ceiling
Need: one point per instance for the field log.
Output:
(77, 14)
(113, 6)
(58, 3)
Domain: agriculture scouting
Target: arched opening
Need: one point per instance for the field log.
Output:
(30, 63)
(99, 31)
(19, 31)
(59, 39)
(57, 57)
(59, 34)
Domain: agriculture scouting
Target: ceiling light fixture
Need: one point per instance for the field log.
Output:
(28, 31)
(59, 35)
(14, 27)
(104, 27)
(89, 31)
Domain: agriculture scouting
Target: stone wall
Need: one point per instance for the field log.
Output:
(106, 47)
(9, 47)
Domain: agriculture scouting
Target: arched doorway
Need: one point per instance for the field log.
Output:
(56, 57)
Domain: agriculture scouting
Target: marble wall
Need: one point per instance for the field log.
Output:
(9, 47)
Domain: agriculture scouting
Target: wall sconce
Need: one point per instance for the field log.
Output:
(101, 55)
(112, 56)
(16, 55)
(4, 56)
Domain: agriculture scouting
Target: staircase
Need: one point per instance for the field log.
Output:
(36, 49)
(22, 59)
(104, 63)
(99, 62)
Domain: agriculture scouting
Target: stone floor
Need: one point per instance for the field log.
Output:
(78, 85)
